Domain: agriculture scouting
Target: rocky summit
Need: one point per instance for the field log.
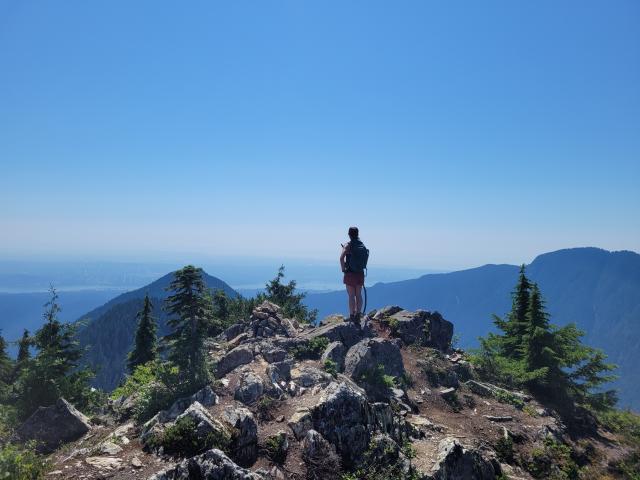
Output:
(389, 398)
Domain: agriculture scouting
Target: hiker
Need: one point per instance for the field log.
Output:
(353, 262)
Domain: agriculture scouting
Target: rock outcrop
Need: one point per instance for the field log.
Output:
(455, 462)
(211, 465)
(422, 327)
(53, 426)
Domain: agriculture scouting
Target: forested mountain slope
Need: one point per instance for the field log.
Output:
(597, 289)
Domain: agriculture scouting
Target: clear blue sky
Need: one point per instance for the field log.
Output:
(452, 133)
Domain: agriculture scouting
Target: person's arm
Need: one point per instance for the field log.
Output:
(343, 256)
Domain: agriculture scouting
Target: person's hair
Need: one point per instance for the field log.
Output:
(353, 233)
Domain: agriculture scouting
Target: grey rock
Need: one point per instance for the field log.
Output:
(485, 389)
(344, 418)
(307, 376)
(386, 312)
(367, 354)
(347, 333)
(211, 465)
(109, 448)
(238, 356)
(233, 331)
(424, 328)
(320, 457)
(245, 446)
(300, 422)
(250, 389)
(454, 462)
(335, 351)
(205, 423)
(53, 426)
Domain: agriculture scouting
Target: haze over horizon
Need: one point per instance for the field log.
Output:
(453, 136)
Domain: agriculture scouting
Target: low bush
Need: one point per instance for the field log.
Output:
(331, 367)
(21, 463)
(276, 448)
(181, 439)
(311, 350)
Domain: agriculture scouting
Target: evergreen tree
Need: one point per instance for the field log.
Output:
(284, 295)
(24, 354)
(23, 347)
(191, 310)
(6, 365)
(516, 324)
(542, 360)
(146, 344)
(53, 371)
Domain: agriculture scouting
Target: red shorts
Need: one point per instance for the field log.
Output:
(354, 279)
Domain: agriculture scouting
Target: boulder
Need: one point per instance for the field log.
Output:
(233, 331)
(205, 397)
(454, 462)
(53, 426)
(485, 389)
(300, 422)
(211, 465)
(335, 352)
(320, 457)
(422, 327)
(205, 423)
(245, 442)
(250, 389)
(386, 312)
(366, 355)
(307, 376)
(344, 418)
(234, 358)
(347, 333)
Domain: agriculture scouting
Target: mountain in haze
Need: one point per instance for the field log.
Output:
(108, 331)
(597, 289)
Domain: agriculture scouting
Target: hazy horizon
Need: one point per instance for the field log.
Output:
(452, 135)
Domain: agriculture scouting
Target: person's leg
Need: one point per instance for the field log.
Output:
(351, 292)
(358, 298)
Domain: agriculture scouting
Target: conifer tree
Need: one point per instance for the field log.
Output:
(24, 353)
(145, 347)
(284, 295)
(191, 314)
(542, 361)
(6, 365)
(23, 347)
(516, 325)
(53, 371)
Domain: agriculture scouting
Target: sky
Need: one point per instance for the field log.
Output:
(452, 133)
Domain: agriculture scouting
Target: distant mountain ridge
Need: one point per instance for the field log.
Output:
(108, 331)
(597, 289)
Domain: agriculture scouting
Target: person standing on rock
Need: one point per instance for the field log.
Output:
(353, 262)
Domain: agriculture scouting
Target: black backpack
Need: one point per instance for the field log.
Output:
(358, 257)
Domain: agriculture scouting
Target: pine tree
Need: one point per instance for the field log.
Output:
(23, 348)
(6, 365)
(146, 345)
(516, 325)
(284, 295)
(542, 360)
(53, 372)
(192, 315)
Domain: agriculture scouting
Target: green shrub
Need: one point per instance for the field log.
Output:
(331, 367)
(504, 449)
(141, 376)
(276, 448)
(552, 461)
(151, 399)
(264, 406)
(507, 397)
(377, 378)
(312, 349)
(181, 439)
(21, 463)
